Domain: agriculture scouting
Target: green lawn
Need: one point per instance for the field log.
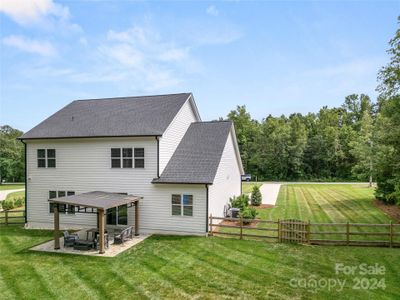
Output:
(18, 214)
(247, 186)
(11, 186)
(165, 267)
(324, 203)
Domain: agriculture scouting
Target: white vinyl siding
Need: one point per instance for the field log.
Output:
(175, 132)
(227, 180)
(83, 165)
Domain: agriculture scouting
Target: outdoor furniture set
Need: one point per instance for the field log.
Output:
(73, 240)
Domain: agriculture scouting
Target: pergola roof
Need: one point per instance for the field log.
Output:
(99, 200)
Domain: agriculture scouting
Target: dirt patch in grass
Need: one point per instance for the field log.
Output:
(234, 223)
(392, 210)
(262, 206)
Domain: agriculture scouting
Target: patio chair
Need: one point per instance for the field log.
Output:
(69, 239)
(96, 241)
(123, 236)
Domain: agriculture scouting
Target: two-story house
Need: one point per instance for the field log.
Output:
(155, 147)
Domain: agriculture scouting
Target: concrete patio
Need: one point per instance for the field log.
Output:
(113, 250)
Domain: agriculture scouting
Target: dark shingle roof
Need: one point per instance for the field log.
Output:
(128, 116)
(197, 157)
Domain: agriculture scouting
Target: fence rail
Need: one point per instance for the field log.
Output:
(12, 217)
(297, 231)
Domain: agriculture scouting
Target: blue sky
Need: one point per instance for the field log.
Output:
(274, 57)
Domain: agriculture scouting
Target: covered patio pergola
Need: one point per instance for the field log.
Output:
(94, 203)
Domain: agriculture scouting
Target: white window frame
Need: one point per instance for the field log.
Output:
(46, 158)
(121, 158)
(182, 206)
(139, 157)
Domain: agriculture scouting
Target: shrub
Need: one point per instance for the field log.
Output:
(240, 202)
(13, 203)
(256, 197)
(248, 213)
(7, 204)
(18, 202)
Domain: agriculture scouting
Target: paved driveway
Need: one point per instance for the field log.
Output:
(270, 193)
(3, 194)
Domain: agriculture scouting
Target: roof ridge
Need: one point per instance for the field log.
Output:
(215, 121)
(125, 97)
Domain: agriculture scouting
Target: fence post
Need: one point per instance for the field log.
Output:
(6, 216)
(308, 231)
(391, 234)
(241, 227)
(279, 231)
(211, 229)
(348, 234)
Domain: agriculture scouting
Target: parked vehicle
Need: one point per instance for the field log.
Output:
(246, 177)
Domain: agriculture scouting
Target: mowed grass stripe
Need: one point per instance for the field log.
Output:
(364, 205)
(319, 214)
(347, 214)
(305, 204)
(334, 214)
(361, 197)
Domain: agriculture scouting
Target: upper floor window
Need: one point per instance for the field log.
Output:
(182, 205)
(123, 157)
(46, 158)
(139, 157)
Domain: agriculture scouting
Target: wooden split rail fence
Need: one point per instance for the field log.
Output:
(11, 217)
(297, 231)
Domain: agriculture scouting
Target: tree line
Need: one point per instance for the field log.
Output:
(360, 140)
(12, 158)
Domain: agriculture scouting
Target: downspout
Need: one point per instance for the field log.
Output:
(26, 185)
(241, 185)
(158, 157)
(206, 208)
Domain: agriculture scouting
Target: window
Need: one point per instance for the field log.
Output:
(123, 158)
(46, 158)
(139, 157)
(64, 208)
(117, 215)
(51, 158)
(127, 157)
(182, 205)
(41, 154)
(115, 158)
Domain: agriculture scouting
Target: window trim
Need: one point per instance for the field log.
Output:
(46, 158)
(138, 157)
(121, 157)
(181, 205)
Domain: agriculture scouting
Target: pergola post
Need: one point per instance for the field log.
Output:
(136, 218)
(101, 217)
(56, 226)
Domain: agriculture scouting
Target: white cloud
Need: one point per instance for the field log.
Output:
(138, 59)
(31, 11)
(212, 11)
(43, 48)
